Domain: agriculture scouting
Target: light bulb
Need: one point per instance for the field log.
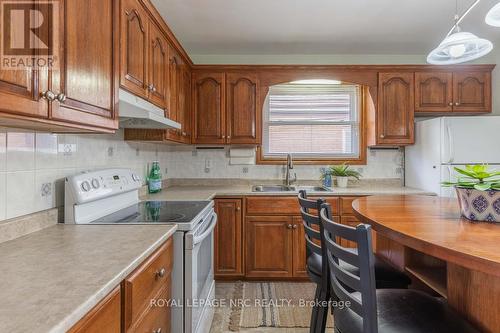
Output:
(457, 51)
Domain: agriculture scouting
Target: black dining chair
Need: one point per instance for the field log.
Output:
(317, 268)
(374, 310)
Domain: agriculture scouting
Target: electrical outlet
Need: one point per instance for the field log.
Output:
(245, 170)
(208, 164)
(166, 170)
(207, 170)
(46, 190)
(111, 151)
(137, 152)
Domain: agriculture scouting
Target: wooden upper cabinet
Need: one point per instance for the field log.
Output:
(209, 116)
(85, 81)
(228, 238)
(396, 106)
(241, 108)
(134, 47)
(184, 103)
(433, 92)
(157, 84)
(472, 92)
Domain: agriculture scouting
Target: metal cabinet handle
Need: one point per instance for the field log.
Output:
(160, 273)
(289, 226)
(49, 95)
(184, 134)
(229, 137)
(61, 97)
(457, 103)
(223, 136)
(450, 104)
(382, 136)
(158, 330)
(295, 226)
(238, 208)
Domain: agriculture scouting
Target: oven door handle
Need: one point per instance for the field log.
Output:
(199, 238)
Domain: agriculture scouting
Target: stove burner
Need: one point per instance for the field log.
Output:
(173, 217)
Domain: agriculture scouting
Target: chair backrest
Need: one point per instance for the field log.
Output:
(364, 305)
(313, 230)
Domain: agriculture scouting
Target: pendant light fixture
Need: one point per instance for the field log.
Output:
(493, 16)
(459, 46)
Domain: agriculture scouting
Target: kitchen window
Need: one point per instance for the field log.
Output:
(313, 121)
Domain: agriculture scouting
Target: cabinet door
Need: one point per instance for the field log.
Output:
(134, 47)
(433, 92)
(395, 115)
(104, 317)
(228, 238)
(299, 249)
(85, 81)
(269, 246)
(209, 115)
(472, 92)
(241, 108)
(184, 104)
(158, 67)
(20, 92)
(174, 112)
(21, 88)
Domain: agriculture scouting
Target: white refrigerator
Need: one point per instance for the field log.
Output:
(447, 142)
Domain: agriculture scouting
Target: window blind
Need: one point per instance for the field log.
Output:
(320, 120)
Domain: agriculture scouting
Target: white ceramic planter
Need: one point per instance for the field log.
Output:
(479, 205)
(342, 181)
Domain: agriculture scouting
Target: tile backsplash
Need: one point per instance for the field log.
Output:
(33, 165)
(188, 162)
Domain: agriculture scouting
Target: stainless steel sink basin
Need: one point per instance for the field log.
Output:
(273, 188)
(313, 188)
(283, 188)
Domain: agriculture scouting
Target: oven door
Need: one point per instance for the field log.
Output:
(199, 277)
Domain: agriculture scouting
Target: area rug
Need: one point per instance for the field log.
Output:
(273, 304)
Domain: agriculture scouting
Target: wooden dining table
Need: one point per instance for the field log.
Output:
(443, 253)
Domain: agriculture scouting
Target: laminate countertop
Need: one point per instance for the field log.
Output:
(51, 278)
(209, 192)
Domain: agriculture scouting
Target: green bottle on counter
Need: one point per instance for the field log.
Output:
(154, 178)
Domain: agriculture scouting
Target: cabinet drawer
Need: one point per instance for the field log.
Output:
(275, 205)
(146, 281)
(346, 205)
(104, 317)
(157, 316)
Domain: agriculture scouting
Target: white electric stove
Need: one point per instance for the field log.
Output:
(111, 196)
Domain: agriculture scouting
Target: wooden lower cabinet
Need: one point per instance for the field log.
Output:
(148, 281)
(269, 246)
(104, 317)
(275, 247)
(229, 238)
(299, 249)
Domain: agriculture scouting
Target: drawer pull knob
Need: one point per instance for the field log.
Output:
(158, 330)
(160, 273)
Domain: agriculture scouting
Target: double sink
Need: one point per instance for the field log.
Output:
(284, 188)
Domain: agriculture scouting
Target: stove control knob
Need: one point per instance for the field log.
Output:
(95, 183)
(85, 186)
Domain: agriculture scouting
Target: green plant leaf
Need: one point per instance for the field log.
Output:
(483, 186)
(465, 172)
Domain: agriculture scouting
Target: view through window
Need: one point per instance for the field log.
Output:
(312, 120)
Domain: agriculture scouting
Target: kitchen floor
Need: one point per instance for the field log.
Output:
(220, 324)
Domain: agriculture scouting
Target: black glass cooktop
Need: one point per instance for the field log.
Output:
(157, 211)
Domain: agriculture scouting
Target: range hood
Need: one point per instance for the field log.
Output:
(136, 112)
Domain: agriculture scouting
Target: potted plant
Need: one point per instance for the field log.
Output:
(342, 173)
(478, 192)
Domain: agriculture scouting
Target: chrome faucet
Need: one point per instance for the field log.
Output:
(289, 166)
